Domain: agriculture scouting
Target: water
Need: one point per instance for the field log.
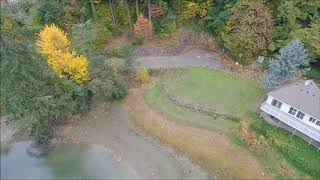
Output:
(62, 161)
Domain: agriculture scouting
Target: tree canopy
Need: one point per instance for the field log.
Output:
(287, 65)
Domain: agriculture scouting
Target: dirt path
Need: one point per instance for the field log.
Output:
(212, 150)
(112, 127)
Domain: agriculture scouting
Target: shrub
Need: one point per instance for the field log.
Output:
(122, 14)
(82, 97)
(105, 83)
(127, 53)
(165, 25)
(136, 42)
(102, 36)
(114, 52)
(143, 75)
(103, 16)
(50, 11)
(143, 29)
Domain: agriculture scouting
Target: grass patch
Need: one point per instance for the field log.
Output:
(314, 72)
(285, 156)
(155, 98)
(296, 151)
(216, 89)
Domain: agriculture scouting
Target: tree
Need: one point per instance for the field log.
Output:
(218, 15)
(248, 32)
(137, 8)
(193, 9)
(291, 17)
(50, 11)
(149, 10)
(311, 38)
(129, 16)
(93, 9)
(287, 65)
(113, 12)
(54, 45)
(143, 29)
(30, 91)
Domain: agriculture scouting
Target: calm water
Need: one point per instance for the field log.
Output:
(62, 161)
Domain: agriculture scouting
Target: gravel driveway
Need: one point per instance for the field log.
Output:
(194, 57)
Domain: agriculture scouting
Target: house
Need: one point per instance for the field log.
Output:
(295, 107)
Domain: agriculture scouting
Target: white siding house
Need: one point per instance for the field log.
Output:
(298, 106)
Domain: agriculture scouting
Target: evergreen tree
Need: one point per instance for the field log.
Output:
(287, 65)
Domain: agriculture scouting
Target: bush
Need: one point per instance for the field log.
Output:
(51, 11)
(136, 42)
(114, 52)
(102, 36)
(143, 75)
(127, 53)
(104, 83)
(122, 14)
(165, 25)
(82, 97)
(103, 16)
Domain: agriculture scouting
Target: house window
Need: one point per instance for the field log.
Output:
(300, 115)
(313, 120)
(276, 103)
(292, 111)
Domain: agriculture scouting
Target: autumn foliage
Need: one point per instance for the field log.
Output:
(54, 45)
(255, 144)
(156, 10)
(143, 75)
(192, 9)
(143, 29)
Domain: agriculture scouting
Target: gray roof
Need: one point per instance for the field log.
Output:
(300, 95)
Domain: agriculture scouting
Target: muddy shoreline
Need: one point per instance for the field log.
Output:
(110, 126)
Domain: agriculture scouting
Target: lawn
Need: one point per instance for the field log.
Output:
(314, 72)
(286, 156)
(155, 98)
(221, 91)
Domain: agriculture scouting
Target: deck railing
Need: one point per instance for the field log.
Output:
(291, 121)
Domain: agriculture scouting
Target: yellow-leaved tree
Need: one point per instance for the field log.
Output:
(55, 46)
